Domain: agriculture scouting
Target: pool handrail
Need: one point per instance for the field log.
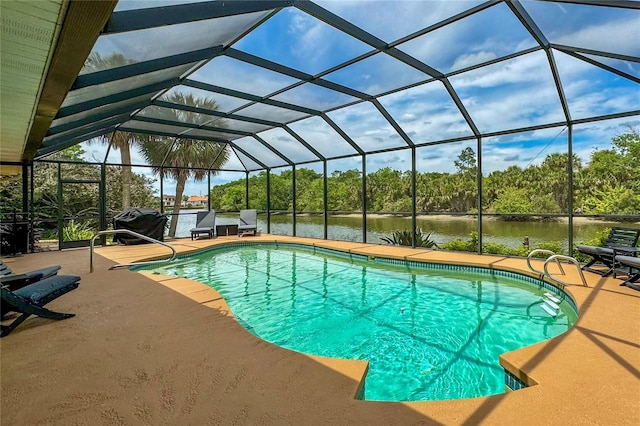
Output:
(555, 258)
(135, 234)
(542, 251)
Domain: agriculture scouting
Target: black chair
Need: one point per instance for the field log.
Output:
(13, 281)
(620, 241)
(205, 223)
(633, 263)
(248, 222)
(29, 300)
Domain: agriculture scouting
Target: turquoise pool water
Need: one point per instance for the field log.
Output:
(427, 334)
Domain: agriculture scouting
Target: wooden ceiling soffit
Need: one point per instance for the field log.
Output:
(82, 24)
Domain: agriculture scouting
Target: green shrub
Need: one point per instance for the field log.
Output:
(501, 249)
(597, 241)
(462, 245)
(77, 231)
(471, 245)
(554, 246)
(403, 238)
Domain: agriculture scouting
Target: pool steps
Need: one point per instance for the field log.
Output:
(551, 297)
(550, 304)
(549, 310)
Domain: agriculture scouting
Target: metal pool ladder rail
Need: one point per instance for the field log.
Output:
(555, 258)
(135, 234)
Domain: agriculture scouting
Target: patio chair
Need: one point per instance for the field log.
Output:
(633, 263)
(205, 223)
(620, 241)
(29, 300)
(248, 222)
(14, 281)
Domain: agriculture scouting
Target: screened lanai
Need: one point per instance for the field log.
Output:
(495, 111)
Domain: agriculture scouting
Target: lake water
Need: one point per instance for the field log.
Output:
(442, 229)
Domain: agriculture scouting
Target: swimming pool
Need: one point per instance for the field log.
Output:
(427, 333)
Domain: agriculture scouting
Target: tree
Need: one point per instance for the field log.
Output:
(182, 157)
(466, 162)
(554, 179)
(610, 184)
(122, 141)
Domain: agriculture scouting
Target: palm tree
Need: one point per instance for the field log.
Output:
(121, 141)
(181, 157)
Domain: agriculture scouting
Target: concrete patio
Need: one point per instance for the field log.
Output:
(148, 349)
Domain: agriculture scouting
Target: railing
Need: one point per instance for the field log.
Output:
(557, 258)
(135, 234)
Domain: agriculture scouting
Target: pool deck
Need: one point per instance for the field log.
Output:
(149, 349)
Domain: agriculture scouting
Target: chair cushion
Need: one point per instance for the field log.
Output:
(593, 250)
(41, 289)
(634, 262)
(201, 229)
(43, 272)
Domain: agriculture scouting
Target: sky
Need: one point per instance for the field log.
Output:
(510, 94)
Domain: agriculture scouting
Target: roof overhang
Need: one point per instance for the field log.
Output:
(43, 50)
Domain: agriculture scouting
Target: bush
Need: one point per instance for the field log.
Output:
(501, 249)
(597, 241)
(77, 231)
(471, 245)
(554, 246)
(462, 245)
(403, 238)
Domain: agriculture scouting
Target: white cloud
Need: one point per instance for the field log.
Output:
(237, 75)
(323, 138)
(527, 69)
(470, 59)
(391, 20)
(287, 145)
(619, 36)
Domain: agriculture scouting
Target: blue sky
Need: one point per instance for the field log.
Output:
(511, 94)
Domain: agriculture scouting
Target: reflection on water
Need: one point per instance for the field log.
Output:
(442, 228)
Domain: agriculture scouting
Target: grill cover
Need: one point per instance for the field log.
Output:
(148, 222)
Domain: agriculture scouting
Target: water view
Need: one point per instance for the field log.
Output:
(442, 228)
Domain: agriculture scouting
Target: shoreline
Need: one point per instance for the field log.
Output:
(470, 218)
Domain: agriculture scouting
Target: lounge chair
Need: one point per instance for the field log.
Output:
(248, 222)
(620, 241)
(633, 263)
(14, 281)
(205, 223)
(29, 300)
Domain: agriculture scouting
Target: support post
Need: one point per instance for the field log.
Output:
(162, 190)
(364, 198)
(25, 203)
(413, 197)
(209, 190)
(246, 190)
(570, 184)
(268, 201)
(25, 188)
(293, 198)
(102, 204)
(60, 214)
(32, 224)
(325, 199)
(479, 195)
